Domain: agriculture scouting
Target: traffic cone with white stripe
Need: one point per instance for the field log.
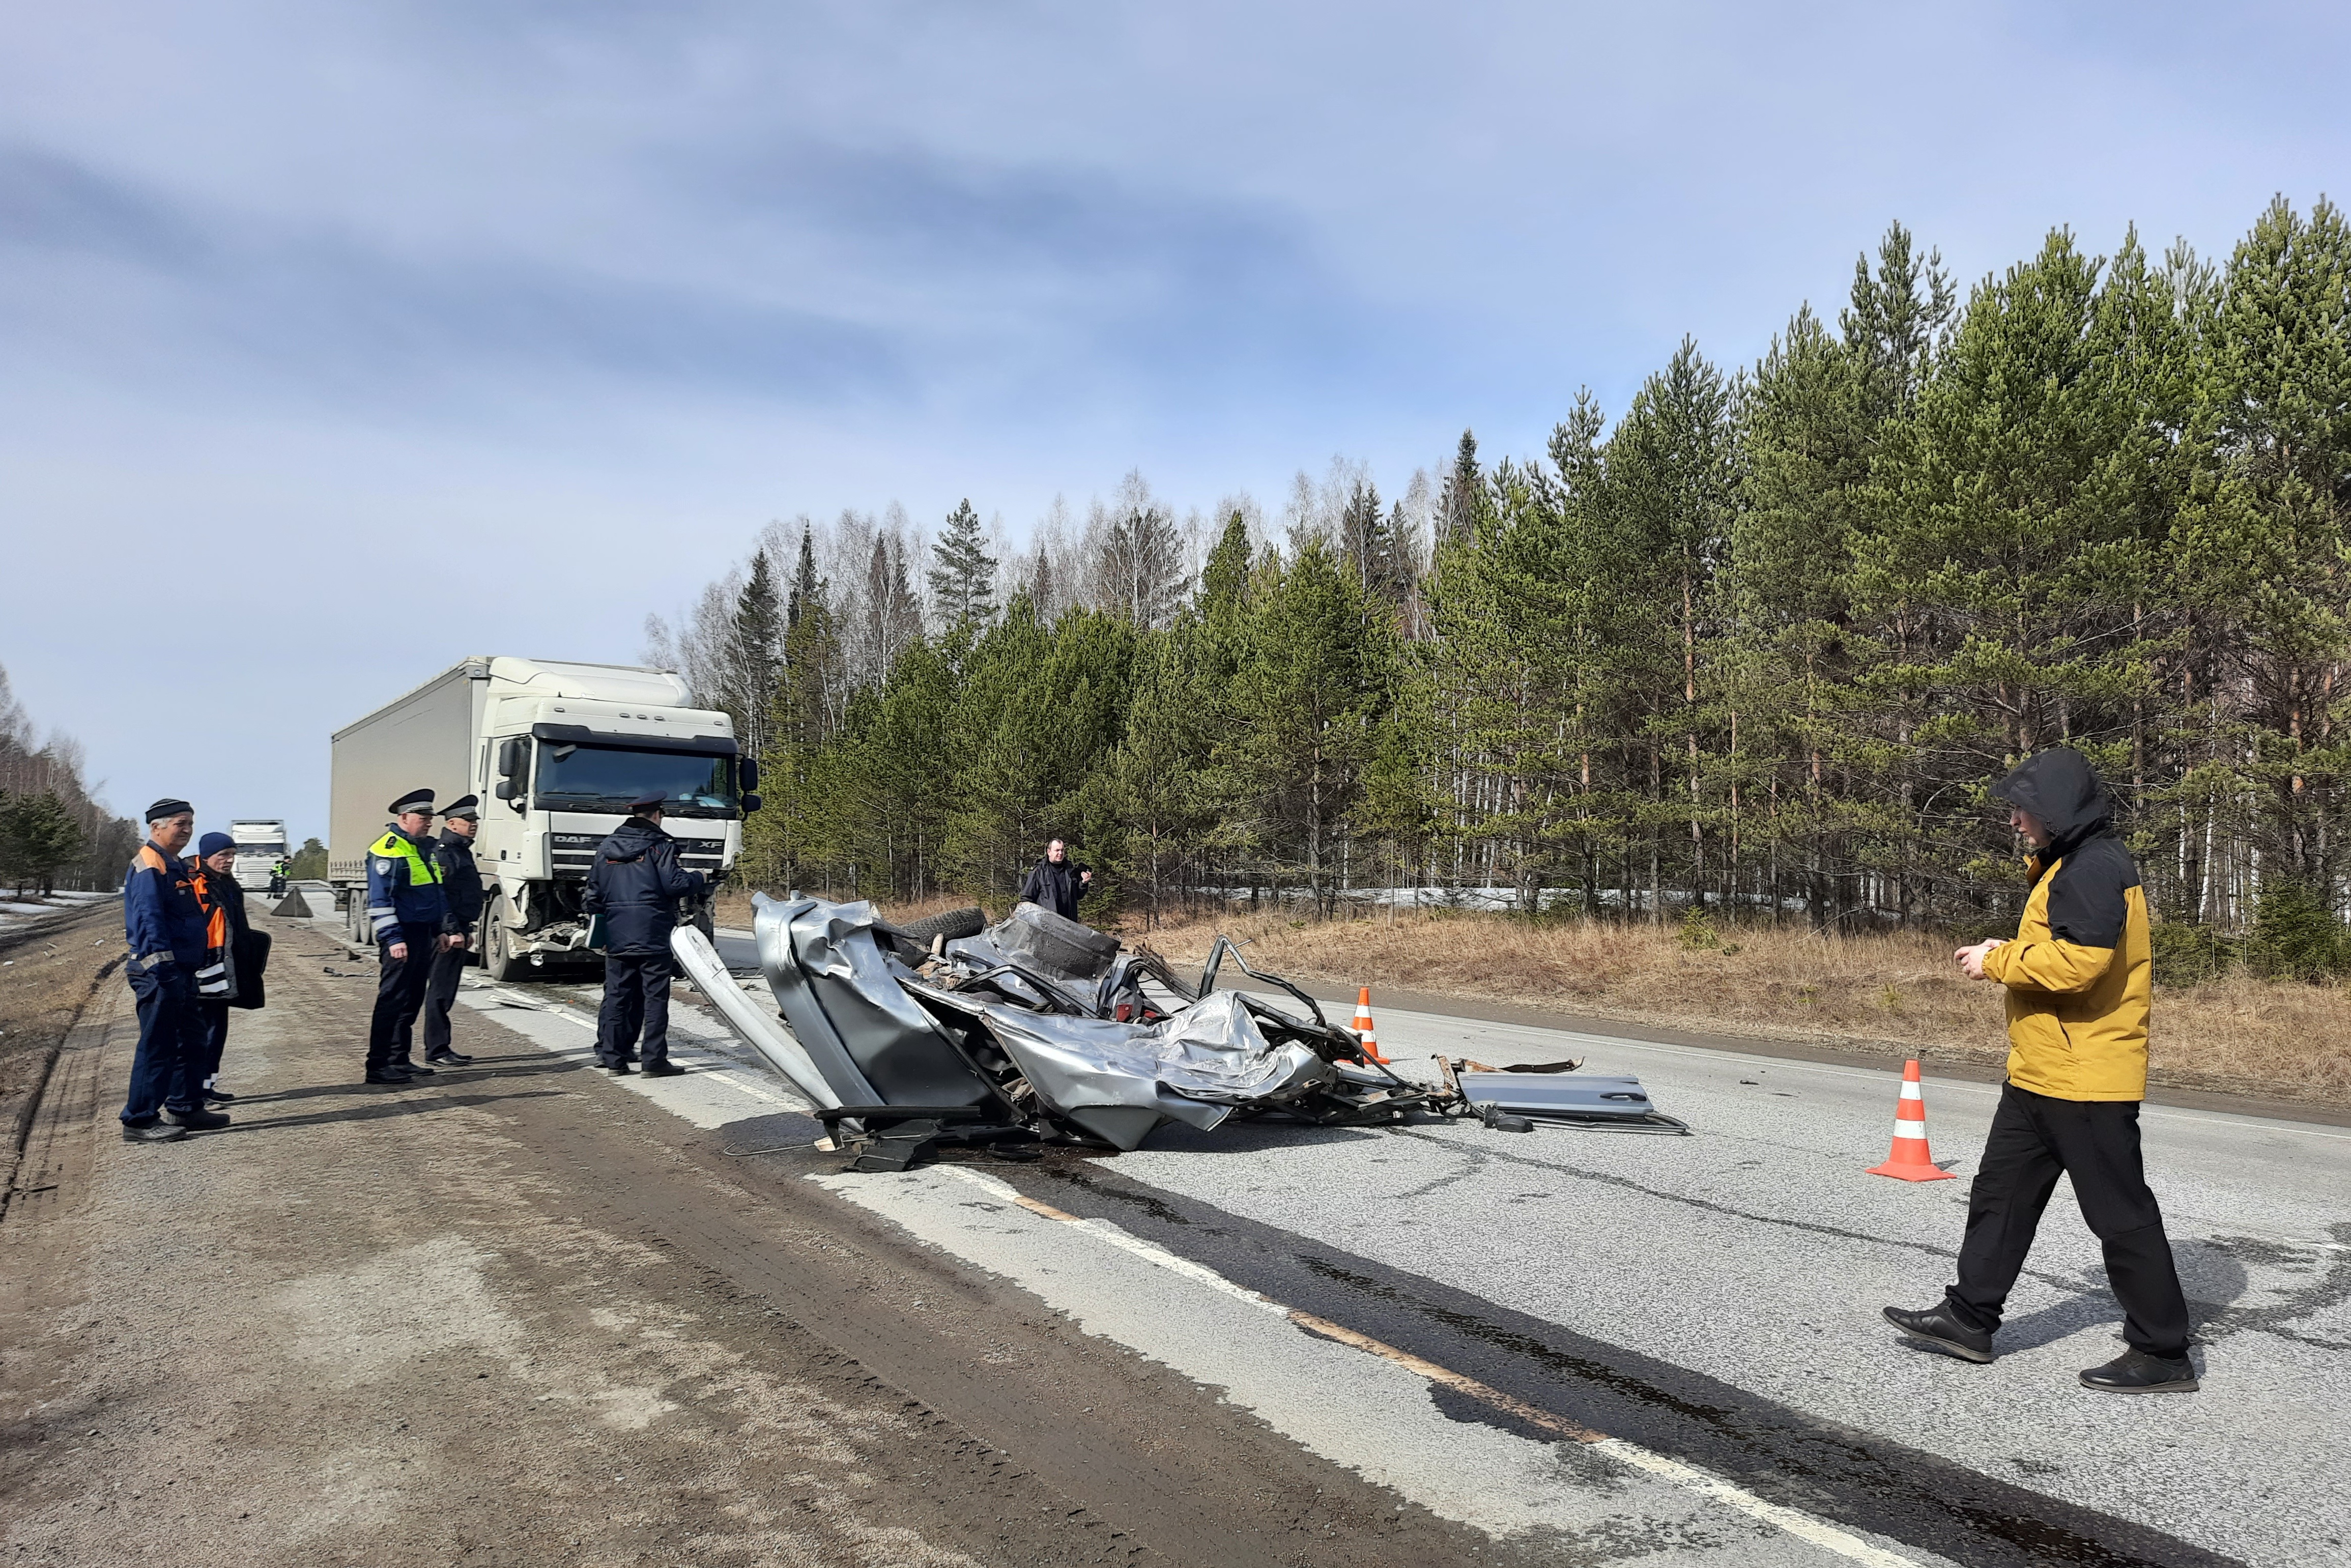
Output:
(1909, 1161)
(1363, 1031)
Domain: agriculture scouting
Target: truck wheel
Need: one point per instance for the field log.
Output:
(499, 959)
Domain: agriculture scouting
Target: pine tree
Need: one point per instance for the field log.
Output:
(753, 654)
(963, 574)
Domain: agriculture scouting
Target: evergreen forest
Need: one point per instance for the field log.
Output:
(1754, 645)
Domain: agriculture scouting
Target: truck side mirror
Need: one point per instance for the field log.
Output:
(747, 771)
(505, 790)
(750, 804)
(509, 761)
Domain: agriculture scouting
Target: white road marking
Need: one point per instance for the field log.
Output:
(1791, 1522)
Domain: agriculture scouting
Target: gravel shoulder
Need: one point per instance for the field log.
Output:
(522, 1316)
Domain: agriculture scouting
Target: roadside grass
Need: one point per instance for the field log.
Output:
(46, 976)
(2236, 1034)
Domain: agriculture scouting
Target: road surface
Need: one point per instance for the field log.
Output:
(1447, 1343)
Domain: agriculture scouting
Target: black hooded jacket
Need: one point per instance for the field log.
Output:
(635, 883)
(2086, 900)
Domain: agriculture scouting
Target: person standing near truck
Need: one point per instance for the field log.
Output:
(2077, 974)
(461, 883)
(165, 928)
(408, 912)
(634, 884)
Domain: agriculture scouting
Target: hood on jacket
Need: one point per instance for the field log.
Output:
(631, 839)
(2059, 786)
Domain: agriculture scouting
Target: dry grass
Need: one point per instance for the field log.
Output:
(2242, 1035)
(46, 976)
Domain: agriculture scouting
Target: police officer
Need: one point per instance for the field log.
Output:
(635, 883)
(165, 928)
(409, 915)
(461, 883)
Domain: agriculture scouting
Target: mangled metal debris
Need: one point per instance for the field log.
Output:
(1041, 1031)
(1510, 1100)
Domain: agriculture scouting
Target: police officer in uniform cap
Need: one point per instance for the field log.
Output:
(409, 913)
(461, 883)
(635, 883)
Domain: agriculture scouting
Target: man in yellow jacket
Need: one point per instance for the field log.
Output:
(2077, 975)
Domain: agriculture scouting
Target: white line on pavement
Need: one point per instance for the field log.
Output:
(1803, 1526)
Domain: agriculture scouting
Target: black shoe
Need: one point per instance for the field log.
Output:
(618, 1069)
(663, 1070)
(388, 1075)
(2136, 1372)
(151, 1133)
(1937, 1329)
(196, 1121)
(449, 1058)
(220, 1097)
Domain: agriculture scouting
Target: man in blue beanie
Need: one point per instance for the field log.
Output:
(226, 933)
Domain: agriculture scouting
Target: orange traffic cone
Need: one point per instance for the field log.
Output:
(1909, 1160)
(1364, 1026)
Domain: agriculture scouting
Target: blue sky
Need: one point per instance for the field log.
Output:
(338, 342)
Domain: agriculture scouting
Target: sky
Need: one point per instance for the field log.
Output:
(340, 342)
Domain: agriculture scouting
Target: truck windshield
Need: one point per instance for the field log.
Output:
(606, 778)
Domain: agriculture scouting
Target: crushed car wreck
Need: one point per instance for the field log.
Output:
(1035, 1030)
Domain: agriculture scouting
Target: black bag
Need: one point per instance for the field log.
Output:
(250, 951)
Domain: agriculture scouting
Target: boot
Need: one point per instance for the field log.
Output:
(2136, 1372)
(390, 1072)
(414, 1069)
(1938, 1330)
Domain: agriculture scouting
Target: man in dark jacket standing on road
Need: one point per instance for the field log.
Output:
(2077, 974)
(461, 886)
(1057, 881)
(409, 915)
(635, 883)
(165, 928)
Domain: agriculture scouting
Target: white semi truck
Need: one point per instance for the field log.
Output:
(556, 751)
(260, 850)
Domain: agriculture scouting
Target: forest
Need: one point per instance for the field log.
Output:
(53, 834)
(1751, 648)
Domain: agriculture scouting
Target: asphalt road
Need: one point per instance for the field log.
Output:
(1712, 1300)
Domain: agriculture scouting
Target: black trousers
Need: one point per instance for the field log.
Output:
(212, 1029)
(2035, 1140)
(440, 995)
(636, 999)
(399, 993)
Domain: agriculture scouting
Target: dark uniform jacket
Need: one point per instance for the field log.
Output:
(2079, 973)
(635, 883)
(403, 885)
(161, 917)
(461, 882)
(1055, 887)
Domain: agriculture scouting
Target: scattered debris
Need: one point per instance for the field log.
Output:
(1504, 1097)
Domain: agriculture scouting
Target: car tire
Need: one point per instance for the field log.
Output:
(955, 924)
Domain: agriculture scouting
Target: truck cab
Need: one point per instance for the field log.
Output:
(556, 751)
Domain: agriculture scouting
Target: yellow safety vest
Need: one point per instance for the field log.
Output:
(421, 870)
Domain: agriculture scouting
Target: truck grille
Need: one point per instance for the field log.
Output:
(572, 853)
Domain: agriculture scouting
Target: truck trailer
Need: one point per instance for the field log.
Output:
(260, 851)
(556, 751)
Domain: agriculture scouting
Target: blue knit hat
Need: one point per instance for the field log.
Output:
(213, 843)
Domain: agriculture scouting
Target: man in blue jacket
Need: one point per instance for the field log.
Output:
(165, 928)
(635, 883)
(409, 916)
(461, 885)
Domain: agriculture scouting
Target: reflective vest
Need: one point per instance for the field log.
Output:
(421, 871)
